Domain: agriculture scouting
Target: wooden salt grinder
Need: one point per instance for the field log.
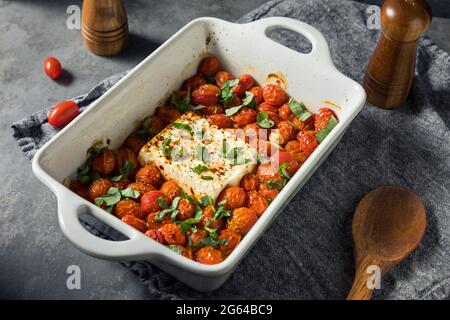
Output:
(104, 26)
(391, 69)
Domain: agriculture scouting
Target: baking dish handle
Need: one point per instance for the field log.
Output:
(320, 47)
(69, 211)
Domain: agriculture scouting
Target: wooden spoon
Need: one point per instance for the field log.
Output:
(389, 223)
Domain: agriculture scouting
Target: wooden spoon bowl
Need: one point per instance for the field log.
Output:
(389, 223)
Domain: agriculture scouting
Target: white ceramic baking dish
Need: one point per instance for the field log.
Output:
(311, 78)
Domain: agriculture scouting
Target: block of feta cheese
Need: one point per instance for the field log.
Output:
(200, 157)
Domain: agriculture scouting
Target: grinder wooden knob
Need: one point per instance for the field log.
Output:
(104, 26)
(390, 71)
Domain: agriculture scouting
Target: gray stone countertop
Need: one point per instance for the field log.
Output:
(34, 254)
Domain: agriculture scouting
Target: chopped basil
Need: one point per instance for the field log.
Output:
(84, 175)
(207, 178)
(172, 210)
(175, 248)
(147, 132)
(213, 233)
(323, 133)
(130, 193)
(283, 172)
(206, 201)
(299, 109)
(184, 104)
(189, 198)
(210, 242)
(275, 184)
(221, 212)
(110, 198)
(124, 172)
(247, 102)
(183, 126)
(264, 121)
(165, 148)
(186, 225)
(226, 93)
(199, 169)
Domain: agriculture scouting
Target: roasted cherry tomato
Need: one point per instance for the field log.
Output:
(293, 147)
(262, 147)
(63, 113)
(257, 95)
(206, 95)
(266, 169)
(121, 184)
(155, 235)
(256, 202)
(285, 113)
(186, 209)
(282, 157)
(268, 192)
(193, 82)
(207, 219)
(122, 156)
(149, 201)
(149, 175)
(246, 81)
(135, 223)
(209, 255)
(99, 188)
(197, 237)
(128, 207)
(153, 224)
(251, 131)
(209, 66)
(308, 142)
(173, 234)
(274, 94)
(306, 125)
(52, 68)
(212, 109)
(287, 131)
(265, 106)
(104, 163)
(170, 189)
(242, 220)
(250, 182)
(168, 114)
(235, 197)
(80, 189)
(232, 239)
(222, 77)
(221, 121)
(322, 117)
(134, 142)
(244, 116)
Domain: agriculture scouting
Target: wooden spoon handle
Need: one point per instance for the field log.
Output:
(360, 289)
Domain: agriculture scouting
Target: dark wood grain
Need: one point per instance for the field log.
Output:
(104, 26)
(389, 223)
(390, 71)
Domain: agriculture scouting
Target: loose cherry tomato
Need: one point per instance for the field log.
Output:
(63, 113)
(52, 68)
(308, 142)
(149, 201)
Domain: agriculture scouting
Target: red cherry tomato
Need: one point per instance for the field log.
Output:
(281, 157)
(63, 113)
(52, 68)
(149, 201)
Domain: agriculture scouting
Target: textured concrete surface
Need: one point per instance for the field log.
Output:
(34, 255)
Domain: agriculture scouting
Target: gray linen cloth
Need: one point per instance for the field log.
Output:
(307, 252)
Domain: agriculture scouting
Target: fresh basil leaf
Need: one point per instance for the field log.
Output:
(199, 169)
(165, 148)
(211, 242)
(183, 126)
(162, 202)
(323, 133)
(206, 201)
(130, 193)
(248, 100)
(230, 111)
(305, 116)
(213, 233)
(175, 248)
(226, 93)
(283, 172)
(264, 121)
(275, 184)
(220, 212)
(84, 178)
(207, 178)
(172, 210)
(184, 104)
(299, 109)
(124, 172)
(189, 198)
(110, 198)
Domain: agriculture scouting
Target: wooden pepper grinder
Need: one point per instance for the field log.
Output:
(104, 26)
(391, 69)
